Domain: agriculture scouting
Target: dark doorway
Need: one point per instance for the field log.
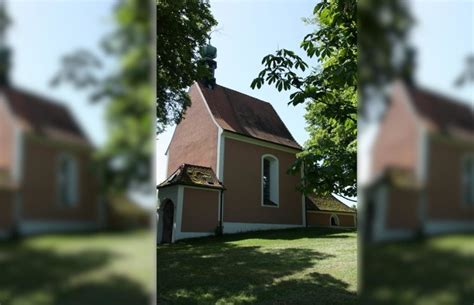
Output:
(334, 221)
(168, 215)
(369, 220)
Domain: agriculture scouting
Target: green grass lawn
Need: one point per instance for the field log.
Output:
(297, 266)
(436, 271)
(82, 269)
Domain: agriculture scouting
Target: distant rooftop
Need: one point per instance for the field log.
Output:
(327, 204)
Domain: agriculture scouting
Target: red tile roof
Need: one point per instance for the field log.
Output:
(326, 203)
(240, 113)
(42, 115)
(442, 112)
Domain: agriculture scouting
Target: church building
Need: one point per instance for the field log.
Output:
(227, 170)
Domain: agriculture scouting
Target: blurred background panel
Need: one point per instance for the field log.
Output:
(416, 152)
(76, 131)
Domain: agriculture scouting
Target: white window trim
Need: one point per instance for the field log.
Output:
(464, 161)
(76, 192)
(276, 188)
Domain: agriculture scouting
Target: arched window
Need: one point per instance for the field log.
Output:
(334, 221)
(67, 181)
(270, 175)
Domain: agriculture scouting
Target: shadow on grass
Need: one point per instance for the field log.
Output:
(417, 273)
(212, 270)
(282, 234)
(298, 233)
(43, 276)
(315, 289)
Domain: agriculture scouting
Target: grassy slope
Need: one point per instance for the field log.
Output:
(106, 268)
(437, 271)
(298, 266)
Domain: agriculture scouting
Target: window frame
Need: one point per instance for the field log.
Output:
(274, 180)
(73, 191)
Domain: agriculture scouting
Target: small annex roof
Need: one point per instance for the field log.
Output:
(326, 204)
(246, 115)
(193, 175)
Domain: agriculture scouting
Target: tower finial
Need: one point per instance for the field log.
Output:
(209, 53)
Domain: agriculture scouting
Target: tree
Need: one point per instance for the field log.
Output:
(183, 27)
(125, 158)
(385, 52)
(330, 93)
(355, 46)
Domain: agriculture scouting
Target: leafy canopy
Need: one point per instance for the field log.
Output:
(125, 158)
(329, 91)
(385, 52)
(182, 28)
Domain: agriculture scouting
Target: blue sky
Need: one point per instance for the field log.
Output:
(45, 30)
(443, 36)
(247, 31)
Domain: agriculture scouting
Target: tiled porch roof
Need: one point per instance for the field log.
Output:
(193, 175)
